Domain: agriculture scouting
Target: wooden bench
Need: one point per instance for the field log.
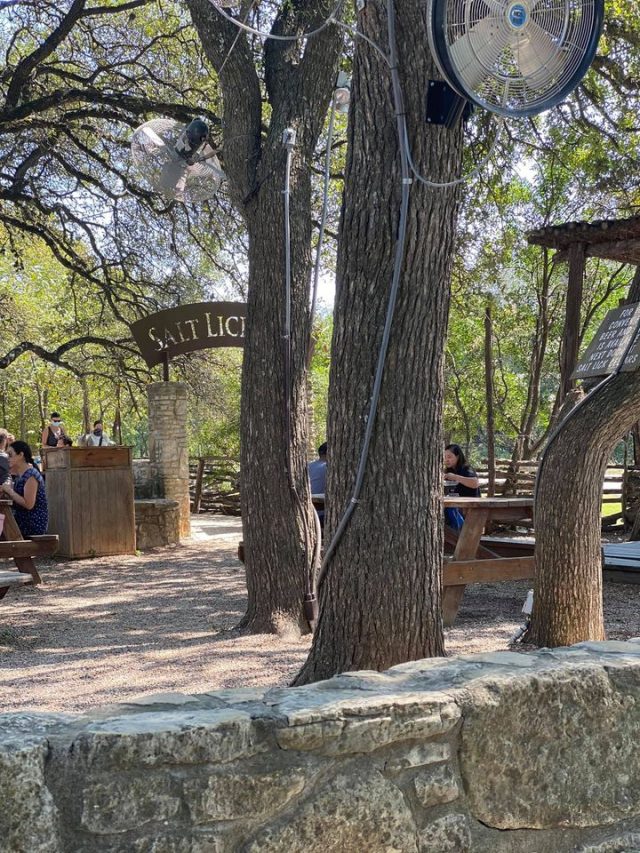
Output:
(476, 563)
(21, 551)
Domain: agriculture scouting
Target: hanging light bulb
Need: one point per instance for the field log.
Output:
(342, 93)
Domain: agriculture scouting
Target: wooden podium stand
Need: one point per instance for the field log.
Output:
(90, 496)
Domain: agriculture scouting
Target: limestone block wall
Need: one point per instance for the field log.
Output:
(144, 484)
(157, 523)
(168, 445)
(505, 753)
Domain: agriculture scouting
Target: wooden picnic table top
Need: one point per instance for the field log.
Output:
(487, 503)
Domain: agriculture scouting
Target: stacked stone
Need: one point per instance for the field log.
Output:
(502, 752)
(157, 523)
(168, 446)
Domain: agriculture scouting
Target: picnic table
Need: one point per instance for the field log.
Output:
(474, 563)
(21, 551)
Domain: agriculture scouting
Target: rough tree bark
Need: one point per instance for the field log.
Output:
(297, 82)
(380, 600)
(568, 586)
(489, 395)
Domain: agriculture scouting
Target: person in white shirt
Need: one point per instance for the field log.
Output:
(97, 437)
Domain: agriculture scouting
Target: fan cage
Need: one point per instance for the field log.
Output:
(155, 159)
(514, 57)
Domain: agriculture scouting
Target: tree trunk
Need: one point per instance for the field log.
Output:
(568, 587)
(278, 525)
(380, 599)
(284, 84)
(488, 380)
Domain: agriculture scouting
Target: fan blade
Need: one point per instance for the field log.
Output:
(475, 53)
(537, 54)
(151, 136)
(178, 191)
(172, 175)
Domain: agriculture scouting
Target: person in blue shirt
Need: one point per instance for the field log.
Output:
(27, 491)
(318, 471)
(318, 477)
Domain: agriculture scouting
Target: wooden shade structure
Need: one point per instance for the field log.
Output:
(611, 239)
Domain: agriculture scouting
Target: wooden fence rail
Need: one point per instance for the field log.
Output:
(214, 485)
(518, 478)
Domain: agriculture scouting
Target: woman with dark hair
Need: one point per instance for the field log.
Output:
(27, 492)
(458, 471)
(53, 432)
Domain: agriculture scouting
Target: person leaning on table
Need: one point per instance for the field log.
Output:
(458, 471)
(467, 484)
(27, 492)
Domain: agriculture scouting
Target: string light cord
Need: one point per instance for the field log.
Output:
(444, 184)
(235, 41)
(391, 304)
(356, 32)
(261, 34)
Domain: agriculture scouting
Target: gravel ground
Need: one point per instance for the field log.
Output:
(113, 628)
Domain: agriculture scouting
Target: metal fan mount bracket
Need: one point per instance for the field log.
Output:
(514, 57)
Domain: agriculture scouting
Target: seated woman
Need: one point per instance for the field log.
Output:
(27, 491)
(468, 485)
(458, 471)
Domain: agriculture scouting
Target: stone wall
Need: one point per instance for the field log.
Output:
(144, 484)
(157, 523)
(168, 446)
(506, 753)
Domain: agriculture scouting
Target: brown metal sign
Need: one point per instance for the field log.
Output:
(188, 328)
(610, 343)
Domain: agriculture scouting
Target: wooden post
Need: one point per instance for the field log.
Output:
(571, 337)
(198, 491)
(165, 366)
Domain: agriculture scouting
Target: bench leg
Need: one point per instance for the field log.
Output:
(26, 565)
(466, 549)
(452, 596)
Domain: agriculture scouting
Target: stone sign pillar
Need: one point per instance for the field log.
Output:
(168, 451)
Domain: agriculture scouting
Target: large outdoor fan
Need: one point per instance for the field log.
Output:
(514, 57)
(177, 161)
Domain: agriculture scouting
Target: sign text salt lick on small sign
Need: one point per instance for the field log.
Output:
(188, 328)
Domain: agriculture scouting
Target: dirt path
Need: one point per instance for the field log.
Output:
(110, 629)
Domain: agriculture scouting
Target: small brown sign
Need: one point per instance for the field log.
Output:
(188, 328)
(605, 352)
